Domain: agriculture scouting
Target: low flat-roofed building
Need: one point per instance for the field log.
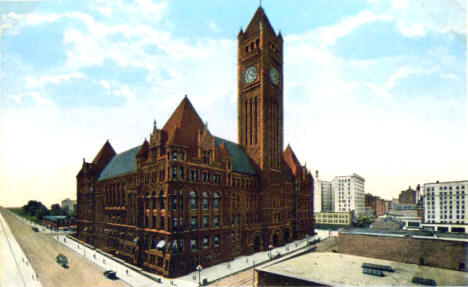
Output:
(335, 269)
(426, 248)
(333, 218)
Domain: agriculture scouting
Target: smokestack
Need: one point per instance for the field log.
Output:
(316, 174)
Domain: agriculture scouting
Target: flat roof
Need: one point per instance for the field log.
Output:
(336, 269)
(408, 233)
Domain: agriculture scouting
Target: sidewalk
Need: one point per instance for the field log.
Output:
(135, 276)
(15, 269)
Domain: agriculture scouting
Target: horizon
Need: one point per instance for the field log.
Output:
(372, 88)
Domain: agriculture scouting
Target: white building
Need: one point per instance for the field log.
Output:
(323, 196)
(348, 194)
(445, 206)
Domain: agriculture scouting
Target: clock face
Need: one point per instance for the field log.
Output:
(274, 76)
(250, 74)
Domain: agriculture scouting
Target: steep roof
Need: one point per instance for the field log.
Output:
(121, 164)
(187, 120)
(240, 161)
(104, 156)
(292, 161)
(258, 17)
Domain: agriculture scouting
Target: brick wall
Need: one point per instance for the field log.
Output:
(437, 253)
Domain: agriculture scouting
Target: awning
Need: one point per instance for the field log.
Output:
(161, 244)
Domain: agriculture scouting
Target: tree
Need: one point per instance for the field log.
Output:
(55, 209)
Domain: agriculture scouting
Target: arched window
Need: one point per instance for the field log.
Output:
(161, 200)
(193, 200)
(206, 200)
(216, 200)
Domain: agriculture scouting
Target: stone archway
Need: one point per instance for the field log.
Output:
(257, 242)
(286, 236)
(275, 239)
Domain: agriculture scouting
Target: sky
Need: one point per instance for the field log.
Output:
(376, 88)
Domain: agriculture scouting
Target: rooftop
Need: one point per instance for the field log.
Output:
(409, 233)
(322, 268)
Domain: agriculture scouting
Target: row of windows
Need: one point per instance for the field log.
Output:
(206, 242)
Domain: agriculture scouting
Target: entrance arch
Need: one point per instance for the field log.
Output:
(286, 236)
(257, 242)
(275, 238)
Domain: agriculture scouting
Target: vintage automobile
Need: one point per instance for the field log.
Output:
(62, 260)
(110, 275)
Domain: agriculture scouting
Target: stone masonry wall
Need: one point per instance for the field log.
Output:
(429, 252)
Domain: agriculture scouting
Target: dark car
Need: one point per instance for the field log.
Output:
(35, 229)
(111, 275)
(62, 260)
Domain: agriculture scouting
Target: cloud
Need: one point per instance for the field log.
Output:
(123, 91)
(105, 84)
(31, 82)
(330, 34)
(405, 72)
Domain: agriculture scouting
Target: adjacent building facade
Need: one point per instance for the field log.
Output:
(409, 196)
(445, 206)
(348, 194)
(376, 204)
(186, 197)
(323, 195)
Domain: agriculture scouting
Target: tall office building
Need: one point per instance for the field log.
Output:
(323, 195)
(348, 194)
(445, 205)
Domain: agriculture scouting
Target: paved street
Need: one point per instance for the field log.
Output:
(15, 269)
(41, 250)
(87, 265)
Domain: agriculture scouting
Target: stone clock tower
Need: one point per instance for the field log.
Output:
(260, 92)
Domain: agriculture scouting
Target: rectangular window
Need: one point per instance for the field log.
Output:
(174, 173)
(174, 204)
(194, 244)
(181, 173)
(206, 157)
(216, 221)
(174, 155)
(216, 203)
(181, 223)
(193, 222)
(162, 223)
(174, 224)
(205, 222)
(181, 155)
(206, 242)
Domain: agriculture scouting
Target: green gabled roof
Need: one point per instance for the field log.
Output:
(120, 164)
(240, 161)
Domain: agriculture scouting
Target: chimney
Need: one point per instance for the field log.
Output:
(316, 174)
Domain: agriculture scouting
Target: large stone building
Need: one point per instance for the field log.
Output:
(348, 194)
(187, 197)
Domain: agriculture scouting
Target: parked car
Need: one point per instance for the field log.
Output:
(35, 229)
(110, 275)
(62, 260)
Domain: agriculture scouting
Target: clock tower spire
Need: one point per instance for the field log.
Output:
(260, 92)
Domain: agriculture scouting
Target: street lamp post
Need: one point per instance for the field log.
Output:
(199, 269)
